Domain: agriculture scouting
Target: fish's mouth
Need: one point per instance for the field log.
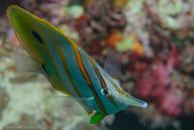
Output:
(132, 101)
(145, 105)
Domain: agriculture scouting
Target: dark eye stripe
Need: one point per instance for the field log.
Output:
(105, 93)
(103, 83)
(37, 36)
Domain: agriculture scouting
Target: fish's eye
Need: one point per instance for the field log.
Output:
(37, 36)
(105, 92)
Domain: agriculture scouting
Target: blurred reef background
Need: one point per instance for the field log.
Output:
(155, 39)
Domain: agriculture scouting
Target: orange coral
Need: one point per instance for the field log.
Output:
(113, 38)
(137, 45)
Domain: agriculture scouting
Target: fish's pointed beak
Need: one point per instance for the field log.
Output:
(136, 102)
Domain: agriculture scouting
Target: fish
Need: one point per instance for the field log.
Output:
(68, 68)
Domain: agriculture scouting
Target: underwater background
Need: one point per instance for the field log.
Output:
(155, 39)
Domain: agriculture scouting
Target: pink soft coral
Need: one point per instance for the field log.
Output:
(154, 82)
(172, 101)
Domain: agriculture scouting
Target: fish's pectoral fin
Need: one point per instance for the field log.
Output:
(87, 99)
(84, 102)
(24, 63)
(96, 118)
(86, 107)
(112, 64)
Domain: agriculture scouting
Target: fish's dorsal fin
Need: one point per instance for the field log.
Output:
(24, 63)
(112, 65)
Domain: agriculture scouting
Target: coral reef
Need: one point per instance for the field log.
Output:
(155, 40)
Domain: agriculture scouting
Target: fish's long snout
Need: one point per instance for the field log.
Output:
(136, 102)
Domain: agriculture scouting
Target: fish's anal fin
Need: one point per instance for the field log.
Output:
(96, 118)
(112, 64)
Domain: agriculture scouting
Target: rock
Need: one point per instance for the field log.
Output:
(27, 122)
(4, 99)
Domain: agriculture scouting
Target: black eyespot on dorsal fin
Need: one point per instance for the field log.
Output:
(37, 36)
